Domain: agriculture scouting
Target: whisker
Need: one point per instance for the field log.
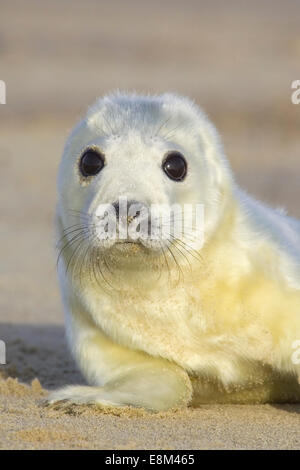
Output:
(83, 262)
(76, 213)
(67, 234)
(68, 244)
(176, 262)
(73, 255)
(162, 126)
(166, 260)
(184, 256)
(188, 248)
(172, 131)
(98, 266)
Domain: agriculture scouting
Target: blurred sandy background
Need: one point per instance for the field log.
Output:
(237, 59)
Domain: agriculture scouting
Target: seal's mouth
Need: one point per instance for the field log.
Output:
(128, 246)
(103, 249)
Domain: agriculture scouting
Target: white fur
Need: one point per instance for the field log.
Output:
(221, 328)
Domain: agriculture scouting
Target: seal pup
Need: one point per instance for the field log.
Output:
(166, 323)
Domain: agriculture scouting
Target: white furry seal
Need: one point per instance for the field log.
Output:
(167, 327)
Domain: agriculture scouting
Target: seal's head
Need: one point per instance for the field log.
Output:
(131, 158)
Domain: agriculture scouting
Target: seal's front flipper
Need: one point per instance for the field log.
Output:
(80, 395)
(153, 388)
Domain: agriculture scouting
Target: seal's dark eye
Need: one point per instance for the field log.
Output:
(174, 165)
(91, 162)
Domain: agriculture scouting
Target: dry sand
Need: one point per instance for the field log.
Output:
(238, 61)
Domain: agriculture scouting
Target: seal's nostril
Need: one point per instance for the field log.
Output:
(134, 206)
(117, 208)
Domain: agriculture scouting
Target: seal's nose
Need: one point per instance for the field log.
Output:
(125, 209)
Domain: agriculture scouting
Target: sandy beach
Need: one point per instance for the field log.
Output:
(238, 62)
